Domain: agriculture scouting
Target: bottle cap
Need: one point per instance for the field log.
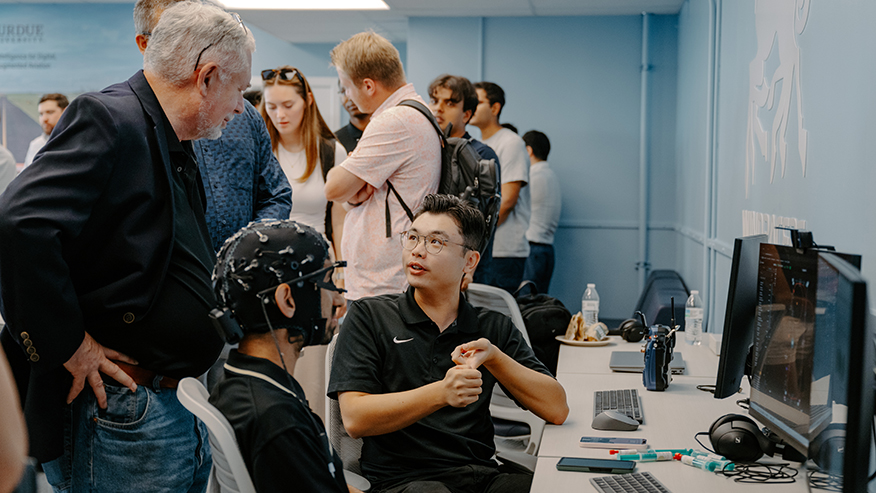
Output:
(591, 285)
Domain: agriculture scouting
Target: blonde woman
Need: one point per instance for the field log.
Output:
(303, 143)
(306, 150)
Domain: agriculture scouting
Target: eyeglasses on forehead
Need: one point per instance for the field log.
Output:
(286, 74)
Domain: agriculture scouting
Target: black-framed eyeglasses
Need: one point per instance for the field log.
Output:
(284, 74)
(434, 243)
(234, 16)
(322, 278)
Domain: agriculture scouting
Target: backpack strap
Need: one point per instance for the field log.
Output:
(327, 161)
(404, 206)
(411, 103)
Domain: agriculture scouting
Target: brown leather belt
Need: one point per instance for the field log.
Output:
(142, 376)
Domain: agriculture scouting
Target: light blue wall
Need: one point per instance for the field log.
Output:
(578, 80)
(836, 73)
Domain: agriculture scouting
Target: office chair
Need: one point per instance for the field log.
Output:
(349, 449)
(229, 473)
(501, 406)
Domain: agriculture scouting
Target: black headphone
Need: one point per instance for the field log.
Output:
(632, 330)
(828, 448)
(738, 438)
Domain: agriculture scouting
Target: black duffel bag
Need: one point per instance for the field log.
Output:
(545, 318)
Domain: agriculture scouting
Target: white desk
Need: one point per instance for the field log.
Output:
(699, 360)
(671, 418)
(679, 478)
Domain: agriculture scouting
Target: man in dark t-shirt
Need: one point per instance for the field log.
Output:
(274, 279)
(414, 372)
(349, 134)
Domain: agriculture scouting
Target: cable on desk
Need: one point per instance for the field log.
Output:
(706, 388)
(757, 473)
(825, 481)
(697, 438)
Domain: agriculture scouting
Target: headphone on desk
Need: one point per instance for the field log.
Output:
(828, 448)
(739, 439)
(632, 330)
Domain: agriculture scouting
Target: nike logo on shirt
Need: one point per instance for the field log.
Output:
(401, 341)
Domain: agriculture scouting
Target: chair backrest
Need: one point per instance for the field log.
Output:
(498, 300)
(229, 470)
(349, 449)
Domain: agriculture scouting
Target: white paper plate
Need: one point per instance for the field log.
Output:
(604, 342)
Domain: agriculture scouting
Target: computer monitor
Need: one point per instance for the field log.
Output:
(739, 316)
(842, 395)
(784, 338)
(816, 396)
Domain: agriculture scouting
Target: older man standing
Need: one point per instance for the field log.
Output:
(242, 179)
(105, 265)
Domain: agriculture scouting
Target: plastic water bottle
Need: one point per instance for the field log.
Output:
(590, 305)
(693, 319)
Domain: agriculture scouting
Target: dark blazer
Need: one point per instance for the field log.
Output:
(87, 235)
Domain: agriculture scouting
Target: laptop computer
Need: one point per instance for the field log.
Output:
(634, 362)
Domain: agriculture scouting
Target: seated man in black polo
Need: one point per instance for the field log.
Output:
(414, 372)
(275, 278)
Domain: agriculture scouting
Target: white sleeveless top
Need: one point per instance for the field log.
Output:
(308, 198)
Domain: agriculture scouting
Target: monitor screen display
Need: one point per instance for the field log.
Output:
(784, 339)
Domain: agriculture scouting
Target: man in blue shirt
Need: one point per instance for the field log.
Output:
(453, 100)
(242, 179)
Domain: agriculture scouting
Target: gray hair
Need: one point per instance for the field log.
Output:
(147, 13)
(188, 30)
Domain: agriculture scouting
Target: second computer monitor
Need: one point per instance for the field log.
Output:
(739, 316)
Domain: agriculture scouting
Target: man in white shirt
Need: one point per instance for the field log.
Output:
(546, 207)
(510, 248)
(399, 147)
(50, 107)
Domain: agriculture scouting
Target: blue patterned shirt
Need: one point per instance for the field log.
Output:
(242, 178)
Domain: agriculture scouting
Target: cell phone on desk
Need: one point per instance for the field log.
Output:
(613, 442)
(596, 465)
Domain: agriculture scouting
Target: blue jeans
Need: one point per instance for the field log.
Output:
(504, 272)
(144, 442)
(539, 266)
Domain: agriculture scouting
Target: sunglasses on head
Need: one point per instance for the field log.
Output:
(283, 74)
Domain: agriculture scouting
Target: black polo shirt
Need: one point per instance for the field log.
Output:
(282, 441)
(387, 344)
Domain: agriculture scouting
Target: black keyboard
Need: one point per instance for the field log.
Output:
(637, 482)
(624, 401)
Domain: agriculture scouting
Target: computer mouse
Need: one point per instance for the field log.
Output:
(614, 421)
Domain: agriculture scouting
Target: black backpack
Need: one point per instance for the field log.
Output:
(545, 318)
(463, 174)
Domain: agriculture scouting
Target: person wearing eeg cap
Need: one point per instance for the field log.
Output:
(273, 283)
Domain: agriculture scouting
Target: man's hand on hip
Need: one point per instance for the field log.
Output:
(86, 364)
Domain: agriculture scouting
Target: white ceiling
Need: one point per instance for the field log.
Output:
(334, 26)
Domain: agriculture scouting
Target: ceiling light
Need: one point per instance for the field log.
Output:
(306, 5)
